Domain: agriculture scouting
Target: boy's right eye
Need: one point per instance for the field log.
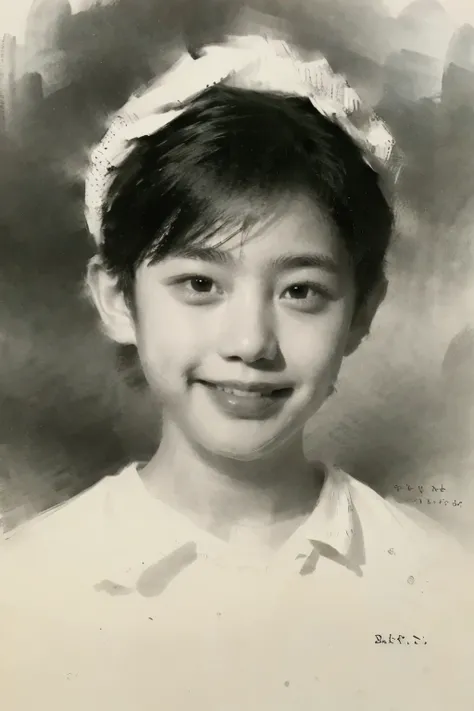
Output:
(203, 285)
(197, 288)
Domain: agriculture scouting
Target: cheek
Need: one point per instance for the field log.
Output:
(167, 333)
(316, 343)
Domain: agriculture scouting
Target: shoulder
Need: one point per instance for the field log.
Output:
(393, 526)
(387, 512)
(55, 561)
(73, 534)
(59, 519)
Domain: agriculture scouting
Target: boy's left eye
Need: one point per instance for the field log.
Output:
(307, 296)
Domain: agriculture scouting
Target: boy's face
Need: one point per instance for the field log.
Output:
(241, 342)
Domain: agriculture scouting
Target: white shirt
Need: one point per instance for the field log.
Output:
(114, 601)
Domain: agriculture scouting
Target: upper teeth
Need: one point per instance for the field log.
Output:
(249, 393)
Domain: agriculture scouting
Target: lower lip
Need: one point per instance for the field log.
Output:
(248, 406)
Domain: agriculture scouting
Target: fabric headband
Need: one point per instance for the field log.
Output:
(247, 62)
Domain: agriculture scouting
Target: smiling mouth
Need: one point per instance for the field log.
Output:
(251, 391)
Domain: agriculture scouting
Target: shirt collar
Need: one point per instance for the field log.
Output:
(331, 530)
(332, 520)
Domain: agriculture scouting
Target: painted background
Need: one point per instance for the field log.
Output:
(402, 418)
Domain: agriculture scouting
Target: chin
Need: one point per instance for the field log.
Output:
(242, 445)
(248, 454)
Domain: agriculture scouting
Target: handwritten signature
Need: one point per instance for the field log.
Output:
(437, 502)
(399, 639)
(421, 488)
(430, 501)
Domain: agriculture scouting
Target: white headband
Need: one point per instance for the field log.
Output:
(247, 62)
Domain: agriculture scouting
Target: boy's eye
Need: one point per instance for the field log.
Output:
(299, 291)
(307, 296)
(202, 285)
(197, 288)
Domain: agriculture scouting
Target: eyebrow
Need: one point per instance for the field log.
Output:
(284, 262)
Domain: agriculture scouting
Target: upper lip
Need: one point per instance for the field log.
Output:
(247, 387)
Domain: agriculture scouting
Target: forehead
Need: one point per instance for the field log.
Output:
(288, 225)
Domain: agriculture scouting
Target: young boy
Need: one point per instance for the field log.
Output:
(241, 249)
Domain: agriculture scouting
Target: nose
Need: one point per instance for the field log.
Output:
(248, 331)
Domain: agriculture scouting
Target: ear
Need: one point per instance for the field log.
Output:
(110, 303)
(364, 316)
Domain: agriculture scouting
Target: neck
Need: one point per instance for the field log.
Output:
(271, 493)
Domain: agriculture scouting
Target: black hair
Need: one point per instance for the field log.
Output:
(215, 164)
